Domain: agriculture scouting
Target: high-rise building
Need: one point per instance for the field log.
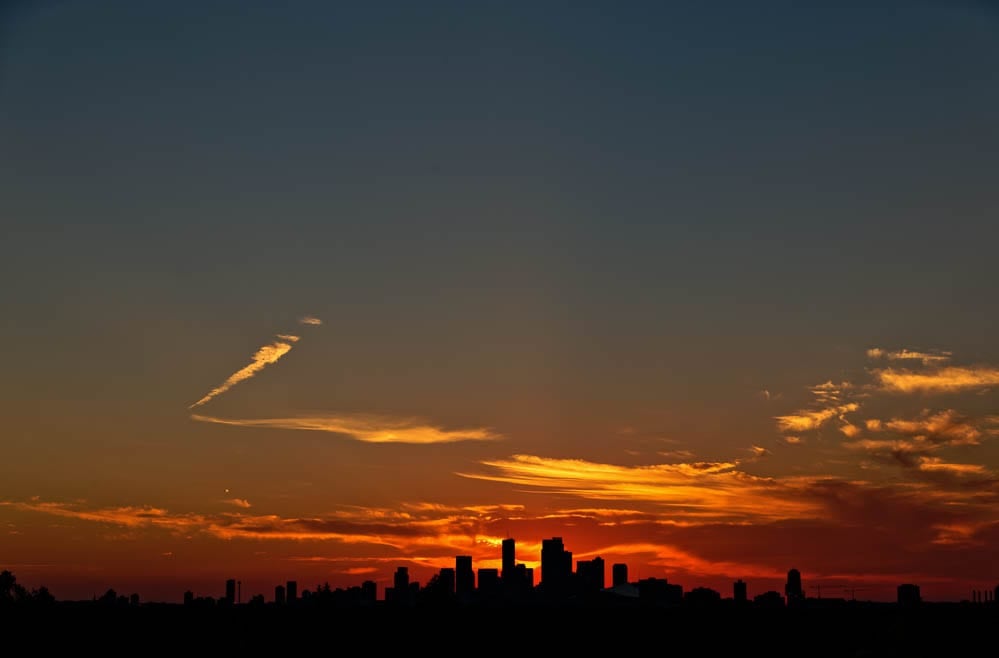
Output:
(739, 591)
(556, 564)
(489, 582)
(509, 558)
(446, 579)
(464, 576)
(792, 588)
(591, 574)
(619, 574)
(279, 594)
(230, 591)
(291, 589)
(908, 594)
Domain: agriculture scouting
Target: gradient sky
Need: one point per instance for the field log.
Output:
(312, 290)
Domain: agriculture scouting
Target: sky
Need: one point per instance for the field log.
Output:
(310, 291)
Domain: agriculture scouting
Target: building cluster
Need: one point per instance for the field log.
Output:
(514, 583)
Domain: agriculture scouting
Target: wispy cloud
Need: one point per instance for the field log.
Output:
(950, 379)
(939, 465)
(265, 356)
(311, 320)
(706, 490)
(368, 428)
(238, 502)
(810, 419)
(928, 358)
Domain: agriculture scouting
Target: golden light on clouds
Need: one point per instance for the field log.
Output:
(810, 419)
(944, 380)
(701, 489)
(265, 356)
(367, 428)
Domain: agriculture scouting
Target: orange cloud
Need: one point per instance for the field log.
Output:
(944, 380)
(938, 465)
(805, 420)
(310, 320)
(943, 427)
(706, 490)
(368, 428)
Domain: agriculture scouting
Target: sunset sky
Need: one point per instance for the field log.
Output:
(313, 290)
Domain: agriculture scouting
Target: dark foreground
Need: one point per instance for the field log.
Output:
(851, 630)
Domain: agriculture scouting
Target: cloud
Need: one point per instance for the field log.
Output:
(935, 464)
(804, 420)
(850, 430)
(828, 392)
(238, 502)
(265, 356)
(928, 358)
(367, 428)
(703, 490)
(310, 320)
(945, 428)
(943, 380)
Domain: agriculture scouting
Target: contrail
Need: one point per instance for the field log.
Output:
(265, 355)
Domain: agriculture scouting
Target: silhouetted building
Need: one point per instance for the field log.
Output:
(591, 574)
(792, 588)
(770, 599)
(509, 558)
(619, 574)
(489, 582)
(446, 579)
(659, 591)
(369, 592)
(230, 591)
(400, 592)
(188, 597)
(279, 596)
(556, 566)
(702, 597)
(739, 591)
(464, 577)
(908, 595)
(291, 589)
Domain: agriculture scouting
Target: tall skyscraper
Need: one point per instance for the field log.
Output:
(291, 589)
(619, 574)
(739, 591)
(792, 588)
(509, 558)
(464, 576)
(556, 564)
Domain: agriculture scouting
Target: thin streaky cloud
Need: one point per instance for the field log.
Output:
(704, 490)
(310, 320)
(367, 428)
(288, 337)
(950, 379)
(265, 356)
(928, 358)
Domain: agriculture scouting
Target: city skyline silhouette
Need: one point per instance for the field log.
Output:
(392, 296)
